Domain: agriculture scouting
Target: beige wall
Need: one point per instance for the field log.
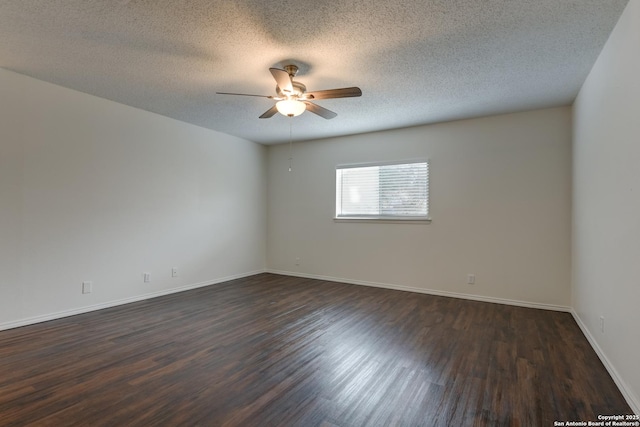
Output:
(500, 203)
(606, 219)
(95, 190)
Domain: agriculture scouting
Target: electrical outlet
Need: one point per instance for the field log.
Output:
(471, 279)
(174, 272)
(146, 277)
(602, 324)
(297, 261)
(87, 287)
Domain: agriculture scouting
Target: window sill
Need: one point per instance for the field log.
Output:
(383, 220)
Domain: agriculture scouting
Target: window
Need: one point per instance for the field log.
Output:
(392, 191)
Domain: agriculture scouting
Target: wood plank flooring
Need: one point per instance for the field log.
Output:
(272, 350)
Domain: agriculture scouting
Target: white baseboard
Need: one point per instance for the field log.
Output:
(427, 291)
(629, 396)
(86, 309)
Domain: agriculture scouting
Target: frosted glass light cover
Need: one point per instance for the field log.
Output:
(290, 107)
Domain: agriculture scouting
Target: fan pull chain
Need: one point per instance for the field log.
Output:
(290, 144)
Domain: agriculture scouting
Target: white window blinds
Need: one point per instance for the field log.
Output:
(383, 191)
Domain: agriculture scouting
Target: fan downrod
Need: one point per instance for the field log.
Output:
(291, 69)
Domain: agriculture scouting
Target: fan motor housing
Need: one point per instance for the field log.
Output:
(298, 90)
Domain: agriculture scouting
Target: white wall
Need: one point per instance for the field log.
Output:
(500, 203)
(95, 190)
(606, 203)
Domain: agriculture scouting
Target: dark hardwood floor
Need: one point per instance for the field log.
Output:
(271, 350)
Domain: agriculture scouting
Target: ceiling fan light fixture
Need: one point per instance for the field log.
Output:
(293, 98)
(291, 107)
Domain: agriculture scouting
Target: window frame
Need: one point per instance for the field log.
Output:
(381, 218)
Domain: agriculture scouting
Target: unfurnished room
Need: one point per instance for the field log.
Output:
(319, 214)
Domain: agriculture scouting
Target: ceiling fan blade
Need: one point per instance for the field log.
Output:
(346, 92)
(282, 79)
(321, 111)
(243, 94)
(269, 113)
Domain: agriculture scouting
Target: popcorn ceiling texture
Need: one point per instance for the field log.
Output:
(416, 61)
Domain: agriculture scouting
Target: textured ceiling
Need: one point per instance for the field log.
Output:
(416, 61)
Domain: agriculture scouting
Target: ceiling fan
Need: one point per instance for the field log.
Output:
(293, 98)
